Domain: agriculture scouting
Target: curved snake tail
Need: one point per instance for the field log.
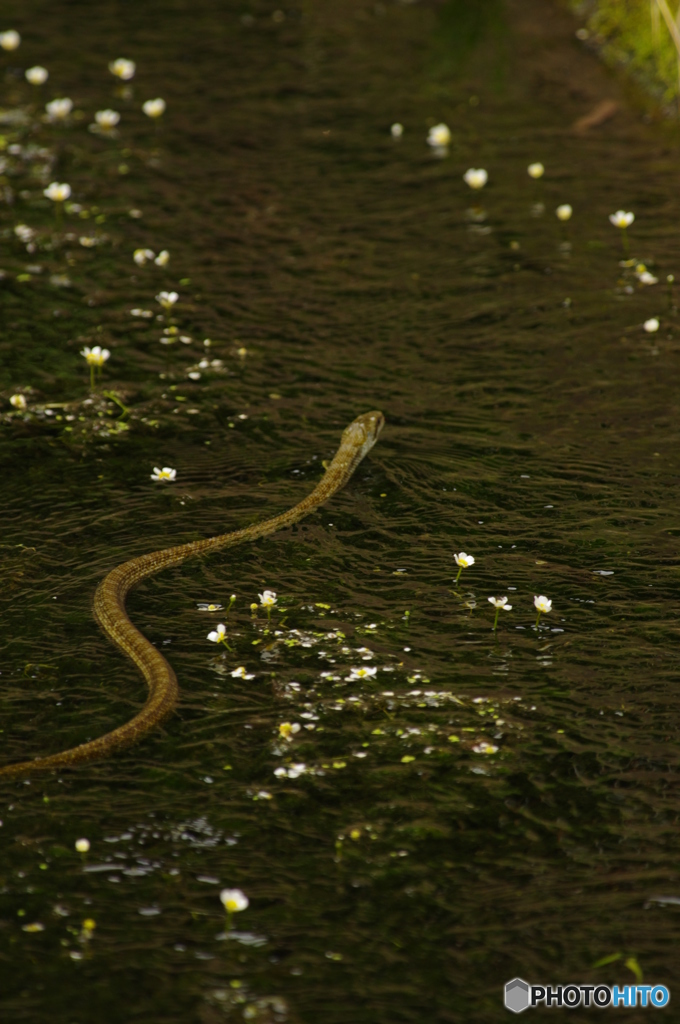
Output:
(109, 604)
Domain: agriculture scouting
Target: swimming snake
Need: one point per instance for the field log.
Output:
(109, 603)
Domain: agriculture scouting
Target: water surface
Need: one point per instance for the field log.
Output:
(484, 805)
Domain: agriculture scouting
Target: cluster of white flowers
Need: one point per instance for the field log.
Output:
(167, 299)
(542, 604)
(58, 110)
(144, 256)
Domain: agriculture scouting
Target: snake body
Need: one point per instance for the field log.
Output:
(109, 603)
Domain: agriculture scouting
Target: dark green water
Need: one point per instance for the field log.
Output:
(530, 421)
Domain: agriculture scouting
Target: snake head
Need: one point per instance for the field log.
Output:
(363, 432)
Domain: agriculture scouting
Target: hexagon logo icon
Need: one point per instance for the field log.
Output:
(516, 995)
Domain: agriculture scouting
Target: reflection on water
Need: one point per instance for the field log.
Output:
(417, 808)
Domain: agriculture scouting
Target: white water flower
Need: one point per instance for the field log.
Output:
(536, 170)
(498, 603)
(123, 69)
(542, 605)
(95, 356)
(293, 772)
(484, 748)
(154, 108)
(219, 634)
(166, 473)
(209, 606)
(621, 219)
(268, 598)
(37, 75)
(162, 259)
(87, 241)
(564, 212)
(644, 277)
(240, 673)
(24, 233)
(58, 192)
(364, 672)
(82, 845)
(18, 401)
(288, 729)
(58, 110)
(107, 119)
(145, 313)
(233, 900)
(463, 561)
(167, 299)
(10, 40)
(476, 177)
(439, 136)
(396, 130)
(652, 325)
(142, 256)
